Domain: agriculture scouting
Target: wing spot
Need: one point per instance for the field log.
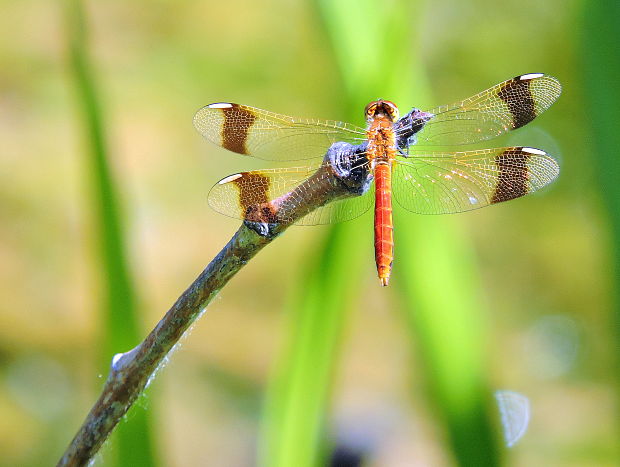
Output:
(517, 96)
(220, 105)
(531, 76)
(238, 121)
(512, 181)
(229, 179)
(534, 151)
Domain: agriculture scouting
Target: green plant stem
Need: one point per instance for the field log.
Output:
(120, 322)
(601, 68)
(434, 268)
(299, 391)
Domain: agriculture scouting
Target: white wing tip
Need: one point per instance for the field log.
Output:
(220, 105)
(538, 152)
(531, 76)
(229, 179)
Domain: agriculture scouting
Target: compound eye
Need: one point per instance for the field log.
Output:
(370, 110)
(394, 113)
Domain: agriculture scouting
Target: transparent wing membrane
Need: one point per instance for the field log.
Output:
(240, 195)
(442, 183)
(433, 183)
(502, 108)
(271, 136)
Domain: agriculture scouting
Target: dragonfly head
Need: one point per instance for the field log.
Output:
(381, 108)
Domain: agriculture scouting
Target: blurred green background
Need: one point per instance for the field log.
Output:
(104, 222)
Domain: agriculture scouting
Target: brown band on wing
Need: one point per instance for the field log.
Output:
(518, 97)
(254, 198)
(237, 124)
(513, 175)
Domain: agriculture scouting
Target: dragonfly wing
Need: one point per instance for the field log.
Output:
(267, 135)
(442, 183)
(341, 210)
(274, 196)
(504, 107)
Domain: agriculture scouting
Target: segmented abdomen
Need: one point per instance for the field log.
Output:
(384, 239)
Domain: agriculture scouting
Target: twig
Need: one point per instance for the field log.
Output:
(130, 372)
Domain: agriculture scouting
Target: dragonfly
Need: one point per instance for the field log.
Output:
(391, 152)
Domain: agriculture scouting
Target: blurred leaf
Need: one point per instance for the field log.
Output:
(234, 389)
(374, 51)
(120, 331)
(434, 268)
(439, 283)
(298, 395)
(601, 59)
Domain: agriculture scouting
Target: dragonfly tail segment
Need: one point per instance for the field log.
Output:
(384, 229)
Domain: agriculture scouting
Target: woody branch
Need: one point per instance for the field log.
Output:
(130, 372)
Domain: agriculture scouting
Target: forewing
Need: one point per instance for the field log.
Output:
(504, 107)
(442, 183)
(267, 135)
(257, 195)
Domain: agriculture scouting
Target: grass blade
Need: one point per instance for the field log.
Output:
(446, 321)
(601, 70)
(440, 304)
(299, 393)
(119, 302)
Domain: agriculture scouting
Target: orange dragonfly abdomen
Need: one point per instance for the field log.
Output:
(384, 230)
(381, 151)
